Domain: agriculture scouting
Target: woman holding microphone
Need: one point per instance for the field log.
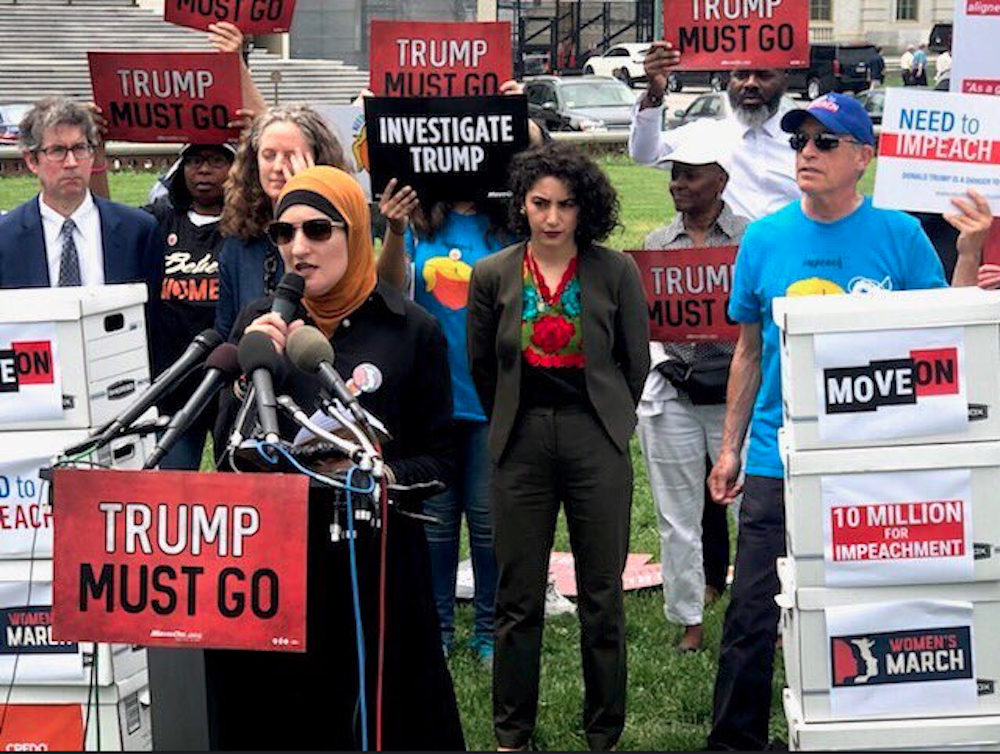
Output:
(558, 342)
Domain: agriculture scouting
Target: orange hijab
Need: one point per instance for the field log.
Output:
(343, 192)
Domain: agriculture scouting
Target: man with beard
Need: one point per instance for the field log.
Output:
(762, 180)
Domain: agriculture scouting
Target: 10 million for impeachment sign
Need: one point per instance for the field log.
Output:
(173, 558)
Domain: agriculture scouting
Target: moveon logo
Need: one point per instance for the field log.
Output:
(892, 382)
(928, 654)
(26, 363)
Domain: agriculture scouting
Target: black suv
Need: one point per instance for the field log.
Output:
(940, 38)
(833, 67)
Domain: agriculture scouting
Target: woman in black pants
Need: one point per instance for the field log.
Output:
(558, 341)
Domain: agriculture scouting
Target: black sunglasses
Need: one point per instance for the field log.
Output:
(824, 142)
(319, 229)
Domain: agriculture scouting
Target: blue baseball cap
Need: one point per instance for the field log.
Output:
(840, 114)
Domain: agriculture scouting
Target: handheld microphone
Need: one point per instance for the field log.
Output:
(204, 343)
(311, 352)
(287, 295)
(260, 361)
(221, 368)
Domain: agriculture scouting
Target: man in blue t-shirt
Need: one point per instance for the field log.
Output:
(832, 241)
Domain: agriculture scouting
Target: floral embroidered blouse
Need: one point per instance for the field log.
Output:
(551, 334)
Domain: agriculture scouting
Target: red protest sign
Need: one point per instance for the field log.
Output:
(167, 96)
(250, 16)
(991, 251)
(722, 34)
(433, 59)
(41, 727)
(174, 558)
(898, 531)
(688, 291)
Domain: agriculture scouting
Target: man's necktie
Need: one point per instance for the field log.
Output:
(69, 262)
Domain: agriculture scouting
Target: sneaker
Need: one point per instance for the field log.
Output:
(482, 646)
(556, 603)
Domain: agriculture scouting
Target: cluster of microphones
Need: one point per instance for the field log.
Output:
(257, 419)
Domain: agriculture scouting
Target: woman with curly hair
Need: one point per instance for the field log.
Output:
(281, 142)
(558, 341)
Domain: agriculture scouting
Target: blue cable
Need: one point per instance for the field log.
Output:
(355, 588)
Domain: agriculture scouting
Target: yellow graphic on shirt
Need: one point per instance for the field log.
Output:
(448, 281)
(813, 287)
(360, 148)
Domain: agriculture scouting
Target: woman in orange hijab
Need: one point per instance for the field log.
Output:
(393, 355)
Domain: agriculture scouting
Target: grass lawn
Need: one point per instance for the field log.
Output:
(669, 695)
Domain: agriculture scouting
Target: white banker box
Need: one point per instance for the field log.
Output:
(890, 516)
(924, 676)
(928, 734)
(98, 352)
(890, 368)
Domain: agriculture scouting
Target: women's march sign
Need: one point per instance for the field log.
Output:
(250, 16)
(433, 59)
(721, 34)
(687, 291)
(167, 96)
(171, 558)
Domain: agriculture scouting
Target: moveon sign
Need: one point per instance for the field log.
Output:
(892, 382)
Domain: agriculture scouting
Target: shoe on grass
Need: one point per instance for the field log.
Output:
(482, 647)
(555, 602)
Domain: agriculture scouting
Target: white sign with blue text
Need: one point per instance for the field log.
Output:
(936, 146)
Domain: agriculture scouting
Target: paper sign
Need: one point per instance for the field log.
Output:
(905, 527)
(41, 727)
(445, 148)
(30, 374)
(250, 16)
(975, 66)
(935, 146)
(688, 293)
(888, 384)
(907, 657)
(713, 35)
(174, 558)
(25, 513)
(29, 653)
(167, 96)
(439, 59)
(347, 122)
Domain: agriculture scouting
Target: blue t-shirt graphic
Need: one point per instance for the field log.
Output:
(787, 254)
(442, 269)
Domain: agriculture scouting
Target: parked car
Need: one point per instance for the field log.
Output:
(623, 61)
(833, 67)
(714, 80)
(715, 106)
(10, 116)
(873, 100)
(940, 38)
(579, 103)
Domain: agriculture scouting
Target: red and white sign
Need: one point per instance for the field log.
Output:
(975, 66)
(167, 96)
(688, 293)
(25, 513)
(41, 727)
(639, 573)
(889, 384)
(174, 558)
(901, 658)
(29, 653)
(934, 148)
(905, 527)
(250, 16)
(713, 35)
(438, 59)
(30, 382)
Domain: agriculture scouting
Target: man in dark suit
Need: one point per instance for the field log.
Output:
(66, 236)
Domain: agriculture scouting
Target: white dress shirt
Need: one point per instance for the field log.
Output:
(86, 235)
(762, 180)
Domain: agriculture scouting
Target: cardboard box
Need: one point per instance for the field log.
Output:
(809, 666)
(932, 734)
(900, 368)
(907, 476)
(100, 348)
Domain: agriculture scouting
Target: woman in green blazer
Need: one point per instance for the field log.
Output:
(558, 342)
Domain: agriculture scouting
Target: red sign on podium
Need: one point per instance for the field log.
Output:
(178, 558)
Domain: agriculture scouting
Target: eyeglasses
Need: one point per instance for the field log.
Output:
(59, 152)
(214, 160)
(315, 230)
(824, 142)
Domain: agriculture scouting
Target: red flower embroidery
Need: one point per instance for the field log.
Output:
(551, 334)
